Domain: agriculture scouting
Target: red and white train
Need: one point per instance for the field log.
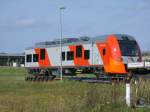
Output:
(109, 54)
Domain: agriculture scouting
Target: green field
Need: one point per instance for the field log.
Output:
(16, 95)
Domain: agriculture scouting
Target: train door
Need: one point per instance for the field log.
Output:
(79, 55)
(96, 58)
(105, 55)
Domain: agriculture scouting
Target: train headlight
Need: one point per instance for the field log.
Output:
(115, 49)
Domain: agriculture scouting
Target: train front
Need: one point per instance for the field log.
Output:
(124, 50)
(130, 52)
(120, 51)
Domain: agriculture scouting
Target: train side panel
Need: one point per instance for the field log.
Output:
(29, 58)
(90, 56)
(54, 56)
(96, 56)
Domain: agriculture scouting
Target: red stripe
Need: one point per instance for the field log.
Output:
(43, 63)
(79, 61)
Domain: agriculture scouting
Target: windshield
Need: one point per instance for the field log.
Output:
(128, 48)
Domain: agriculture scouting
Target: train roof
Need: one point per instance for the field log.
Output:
(80, 40)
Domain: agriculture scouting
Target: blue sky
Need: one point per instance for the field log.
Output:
(24, 22)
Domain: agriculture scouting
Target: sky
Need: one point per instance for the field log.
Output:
(25, 22)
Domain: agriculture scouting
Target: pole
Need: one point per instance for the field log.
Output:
(61, 34)
(128, 94)
(128, 88)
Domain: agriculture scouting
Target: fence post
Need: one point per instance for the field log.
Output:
(128, 88)
(128, 94)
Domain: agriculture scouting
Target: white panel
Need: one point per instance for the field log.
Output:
(89, 47)
(135, 65)
(147, 64)
(138, 65)
(54, 55)
(97, 60)
(30, 64)
(67, 62)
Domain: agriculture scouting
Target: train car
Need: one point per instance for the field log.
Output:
(107, 54)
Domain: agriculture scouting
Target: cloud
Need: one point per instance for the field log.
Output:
(25, 22)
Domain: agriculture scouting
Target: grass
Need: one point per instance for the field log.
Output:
(16, 95)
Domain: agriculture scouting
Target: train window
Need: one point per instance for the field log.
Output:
(35, 57)
(70, 55)
(79, 51)
(128, 48)
(104, 51)
(86, 54)
(29, 58)
(63, 56)
(42, 54)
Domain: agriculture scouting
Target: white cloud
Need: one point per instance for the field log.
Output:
(25, 22)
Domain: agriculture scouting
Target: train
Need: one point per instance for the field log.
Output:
(107, 54)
